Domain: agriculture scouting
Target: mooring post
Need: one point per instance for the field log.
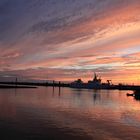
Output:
(59, 84)
(46, 83)
(53, 84)
(16, 82)
(59, 87)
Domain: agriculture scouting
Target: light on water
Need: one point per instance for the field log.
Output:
(47, 113)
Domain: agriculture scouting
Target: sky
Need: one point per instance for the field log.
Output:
(69, 39)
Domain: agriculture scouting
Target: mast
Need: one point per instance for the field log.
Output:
(95, 77)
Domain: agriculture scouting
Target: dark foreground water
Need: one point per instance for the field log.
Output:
(68, 114)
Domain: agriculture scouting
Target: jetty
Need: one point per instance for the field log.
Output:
(15, 86)
(33, 84)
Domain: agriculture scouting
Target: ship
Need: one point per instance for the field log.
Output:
(96, 83)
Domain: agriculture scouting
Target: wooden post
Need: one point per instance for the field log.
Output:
(53, 85)
(16, 82)
(46, 83)
(59, 88)
(59, 84)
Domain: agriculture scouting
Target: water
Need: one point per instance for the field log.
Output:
(68, 114)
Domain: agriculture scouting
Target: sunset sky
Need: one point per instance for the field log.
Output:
(70, 39)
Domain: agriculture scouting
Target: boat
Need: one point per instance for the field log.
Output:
(96, 83)
(137, 94)
(130, 94)
(91, 84)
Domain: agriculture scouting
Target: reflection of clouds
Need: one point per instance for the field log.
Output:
(130, 118)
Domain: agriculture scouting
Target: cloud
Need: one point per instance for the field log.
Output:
(69, 35)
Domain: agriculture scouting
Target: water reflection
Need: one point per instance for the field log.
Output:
(96, 96)
(64, 113)
(58, 90)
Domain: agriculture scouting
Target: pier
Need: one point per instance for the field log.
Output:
(33, 84)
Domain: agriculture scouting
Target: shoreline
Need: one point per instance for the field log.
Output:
(15, 86)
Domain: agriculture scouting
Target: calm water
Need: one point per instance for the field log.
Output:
(68, 114)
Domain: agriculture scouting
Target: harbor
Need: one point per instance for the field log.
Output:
(69, 69)
(95, 83)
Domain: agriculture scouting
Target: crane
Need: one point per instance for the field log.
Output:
(109, 82)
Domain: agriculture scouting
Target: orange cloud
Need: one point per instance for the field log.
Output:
(107, 43)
